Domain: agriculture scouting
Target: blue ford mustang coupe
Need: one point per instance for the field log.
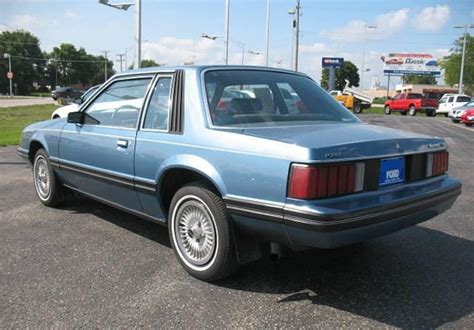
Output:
(230, 157)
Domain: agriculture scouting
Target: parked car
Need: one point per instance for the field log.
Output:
(450, 101)
(154, 143)
(468, 117)
(411, 103)
(66, 93)
(62, 112)
(456, 113)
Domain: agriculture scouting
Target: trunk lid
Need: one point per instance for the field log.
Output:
(341, 141)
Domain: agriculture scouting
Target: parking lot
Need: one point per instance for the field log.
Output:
(88, 265)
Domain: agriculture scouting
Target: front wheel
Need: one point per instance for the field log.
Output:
(403, 113)
(48, 189)
(412, 111)
(387, 110)
(201, 233)
(468, 124)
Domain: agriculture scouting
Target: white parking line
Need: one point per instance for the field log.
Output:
(460, 125)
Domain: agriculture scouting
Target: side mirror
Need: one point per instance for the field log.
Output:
(77, 101)
(75, 117)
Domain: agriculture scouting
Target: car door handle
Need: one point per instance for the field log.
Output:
(122, 143)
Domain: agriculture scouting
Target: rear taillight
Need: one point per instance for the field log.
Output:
(312, 182)
(437, 163)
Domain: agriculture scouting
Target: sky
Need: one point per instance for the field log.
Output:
(171, 29)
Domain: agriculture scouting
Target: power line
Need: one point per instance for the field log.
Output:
(55, 60)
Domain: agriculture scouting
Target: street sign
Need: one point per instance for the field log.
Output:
(10, 75)
(332, 62)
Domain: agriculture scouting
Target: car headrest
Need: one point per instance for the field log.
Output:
(241, 106)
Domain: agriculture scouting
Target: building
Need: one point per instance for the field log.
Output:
(431, 91)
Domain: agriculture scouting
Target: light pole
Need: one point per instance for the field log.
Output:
(105, 63)
(238, 43)
(461, 74)
(10, 73)
(138, 32)
(296, 33)
(226, 31)
(366, 26)
(267, 34)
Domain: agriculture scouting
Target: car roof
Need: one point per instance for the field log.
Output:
(200, 68)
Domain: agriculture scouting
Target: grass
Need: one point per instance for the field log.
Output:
(14, 119)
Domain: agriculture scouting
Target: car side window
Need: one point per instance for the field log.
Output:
(120, 103)
(157, 114)
(450, 99)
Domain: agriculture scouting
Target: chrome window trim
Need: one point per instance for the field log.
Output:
(148, 99)
(108, 83)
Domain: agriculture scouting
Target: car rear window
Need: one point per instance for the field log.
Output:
(463, 99)
(248, 98)
(415, 96)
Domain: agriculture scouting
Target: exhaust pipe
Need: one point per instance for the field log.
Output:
(275, 251)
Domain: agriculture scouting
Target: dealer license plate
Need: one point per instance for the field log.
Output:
(392, 171)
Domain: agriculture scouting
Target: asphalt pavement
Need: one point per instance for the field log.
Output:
(89, 265)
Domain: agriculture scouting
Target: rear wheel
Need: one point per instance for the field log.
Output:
(48, 188)
(412, 110)
(446, 115)
(430, 113)
(201, 233)
(357, 108)
(387, 110)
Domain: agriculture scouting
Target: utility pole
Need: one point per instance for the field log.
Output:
(120, 60)
(267, 34)
(226, 31)
(126, 59)
(138, 9)
(10, 73)
(296, 33)
(366, 26)
(461, 74)
(105, 64)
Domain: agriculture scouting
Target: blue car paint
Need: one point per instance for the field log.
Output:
(250, 164)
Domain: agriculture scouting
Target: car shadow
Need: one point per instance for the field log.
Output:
(79, 204)
(416, 278)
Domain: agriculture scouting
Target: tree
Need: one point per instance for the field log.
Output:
(452, 64)
(348, 71)
(146, 63)
(68, 65)
(419, 79)
(27, 60)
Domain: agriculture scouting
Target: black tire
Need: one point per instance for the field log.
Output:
(48, 188)
(430, 113)
(357, 108)
(387, 110)
(446, 115)
(403, 113)
(468, 124)
(222, 261)
(455, 120)
(412, 111)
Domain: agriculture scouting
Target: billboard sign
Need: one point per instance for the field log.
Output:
(332, 62)
(398, 64)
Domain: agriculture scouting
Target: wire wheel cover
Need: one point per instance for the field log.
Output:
(195, 232)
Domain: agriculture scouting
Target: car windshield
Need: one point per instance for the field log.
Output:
(249, 98)
(89, 92)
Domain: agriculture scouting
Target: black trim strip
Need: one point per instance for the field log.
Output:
(140, 186)
(177, 113)
(343, 221)
(262, 211)
(22, 153)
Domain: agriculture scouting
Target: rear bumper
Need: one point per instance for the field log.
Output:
(321, 226)
(353, 228)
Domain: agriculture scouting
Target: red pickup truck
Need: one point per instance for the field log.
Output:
(411, 103)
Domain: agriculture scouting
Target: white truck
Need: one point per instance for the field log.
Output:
(352, 98)
(450, 101)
